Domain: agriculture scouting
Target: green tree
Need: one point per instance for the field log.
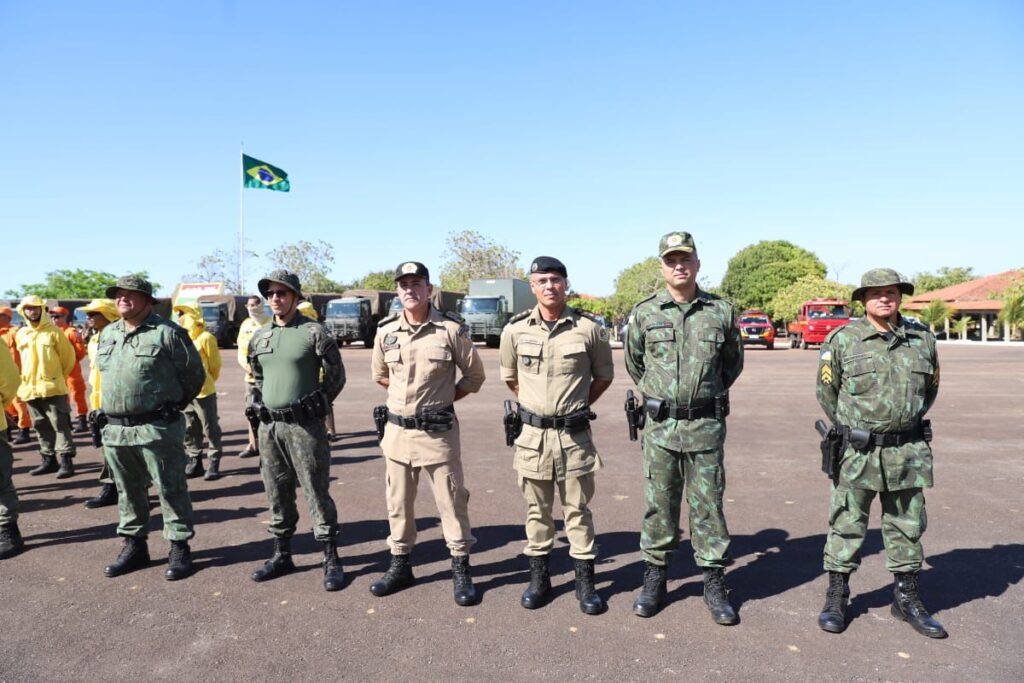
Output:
(73, 284)
(935, 313)
(635, 283)
(470, 256)
(758, 272)
(379, 279)
(600, 306)
(1011, 315)
(219, 266)
(961, 326)
(311, 262)
(785, 305)
(944, 277)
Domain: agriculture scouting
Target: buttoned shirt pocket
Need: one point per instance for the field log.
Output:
(573, 358)
(530, 354)
(921, 373)
(860, 376)
(528, 450)
(104, 352)
(709, 343)
(392, 356)
(438, 360)
(659, 344)
(146, 355)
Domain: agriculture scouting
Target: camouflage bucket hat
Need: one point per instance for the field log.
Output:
(676, 241)
(281, 277)
(881, 277)
(132, 283)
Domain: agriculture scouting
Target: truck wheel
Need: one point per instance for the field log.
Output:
(771, 346)
(493, 342)
(803, 344)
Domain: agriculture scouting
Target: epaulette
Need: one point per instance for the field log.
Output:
(642, 301)
(522, 315)
(586, 314)
(833, 333)
(911, 321)
(453, 316)
(389, 319)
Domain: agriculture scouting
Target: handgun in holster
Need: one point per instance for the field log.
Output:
(97, 421)
(380, 420)
(722, 405)
(252, 415)
(513, 423)
(636, 418)
(833, 444)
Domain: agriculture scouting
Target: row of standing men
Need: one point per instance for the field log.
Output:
(682, 351)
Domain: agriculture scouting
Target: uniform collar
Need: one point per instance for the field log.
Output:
(664, 297)
(567, 314)
(435, 318)
(296, 320)
(901, 329)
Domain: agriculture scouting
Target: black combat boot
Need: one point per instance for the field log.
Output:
(907, 606)
(134, 555)
(24, 436)
(213, 471)
(462, 582)
(67, 467)
(537, 593)
(107, 496)
(648, 603)
(249, 453)
(590, 601)
(10, 541)
(194, 468)
(334, 575)
(81, 425)
(833, 614)
(716, 597)
(179, 561)
(397, 577)
(48, 466)
(279, 564)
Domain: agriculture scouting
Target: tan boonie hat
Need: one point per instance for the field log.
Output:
(881, 277)
(676, 241)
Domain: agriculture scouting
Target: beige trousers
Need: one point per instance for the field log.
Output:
(575, 494)
(450, 496)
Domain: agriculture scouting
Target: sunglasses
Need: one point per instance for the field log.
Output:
(277, 293)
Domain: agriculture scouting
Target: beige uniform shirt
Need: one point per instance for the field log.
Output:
(420, 364)
(554, 370)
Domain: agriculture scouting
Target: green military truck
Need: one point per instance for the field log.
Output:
(442, 300)
(489, 305)
(223, 315)
(354, 315)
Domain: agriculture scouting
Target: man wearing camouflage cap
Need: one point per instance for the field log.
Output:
(298, 373)
(683, 351)
(558, 362)
(877, 378)
(149, 372)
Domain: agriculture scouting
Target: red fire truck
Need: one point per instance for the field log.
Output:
(817, 318)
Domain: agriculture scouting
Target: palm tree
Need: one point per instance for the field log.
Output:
(1012, 315)
(934, 313)
(961, 326)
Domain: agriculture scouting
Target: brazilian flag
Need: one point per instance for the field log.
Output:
(259, 174)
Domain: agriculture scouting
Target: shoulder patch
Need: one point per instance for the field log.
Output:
(452, 315)
(834, 332)
(586, 314)
(389, 319)
(522, 315)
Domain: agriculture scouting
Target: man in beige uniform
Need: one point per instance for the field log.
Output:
(558, 361)
(415, 355)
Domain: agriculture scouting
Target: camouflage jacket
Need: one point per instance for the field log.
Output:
(291, 361)
(143, 370)
(685, 353)
(883, 386)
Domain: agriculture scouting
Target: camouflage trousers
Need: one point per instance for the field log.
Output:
(201, 419)
(52, 419)
(575, 494)
(291, 453)
(903, 523)
(8, 495)
(666, 473)
(161, 462)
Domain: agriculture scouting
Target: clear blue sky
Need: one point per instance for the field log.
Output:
(872, 133)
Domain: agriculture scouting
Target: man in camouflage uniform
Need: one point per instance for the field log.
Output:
(288, 357)
(10, 536)
(879, 374)
(149, 371)
(415, 357)
(683, 351)
(557, 360)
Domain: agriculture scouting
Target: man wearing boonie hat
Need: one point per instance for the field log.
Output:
(683, 350)
(877, 378)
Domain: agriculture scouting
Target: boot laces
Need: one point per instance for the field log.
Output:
(836, 586)
(714, 585)
(177, 553)
(652, 579)
(460, 573)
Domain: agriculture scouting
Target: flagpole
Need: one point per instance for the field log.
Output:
(241, 222)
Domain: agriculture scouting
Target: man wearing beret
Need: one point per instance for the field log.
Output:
(149, 372)
(558, 361)
(298, 373)
(877, 378)
(415, 357)
(683, 350)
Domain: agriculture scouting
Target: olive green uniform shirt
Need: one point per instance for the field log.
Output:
(883, 386)
(286, 362)
(685, 353)
(554, 369)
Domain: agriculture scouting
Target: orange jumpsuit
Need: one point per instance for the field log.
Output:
(76, 382)
(18, 410)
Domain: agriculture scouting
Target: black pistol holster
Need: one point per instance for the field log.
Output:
(380, 420)
(636, 418)
(512, 422)
(833, 444)
(97, 421)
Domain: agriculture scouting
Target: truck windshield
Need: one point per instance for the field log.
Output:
(479, 305)
(754, 320)
(211, 313)
(396, 305)
(342, 309)
(821, 312)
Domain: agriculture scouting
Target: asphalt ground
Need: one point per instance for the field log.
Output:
(62, 619)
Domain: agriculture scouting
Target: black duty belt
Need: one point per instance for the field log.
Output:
(897, 438)
(573, 421)
(441, 420)
(141, 418)
(268, 415)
